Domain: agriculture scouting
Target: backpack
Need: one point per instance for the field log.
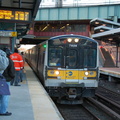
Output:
(4, 88)
(3, 61)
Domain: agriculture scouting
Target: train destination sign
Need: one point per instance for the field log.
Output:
(17, 15)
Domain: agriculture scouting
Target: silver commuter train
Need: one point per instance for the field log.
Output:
(67, 66)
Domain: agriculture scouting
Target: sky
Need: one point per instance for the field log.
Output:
(99, 0)
(96, 1)
(48, 3)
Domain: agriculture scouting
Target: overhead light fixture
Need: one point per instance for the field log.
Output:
(101, 30)
(104, 25)
(110, 39)
(97, 23)
(45, 27)
(62, 27)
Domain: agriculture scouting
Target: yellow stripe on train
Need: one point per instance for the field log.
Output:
(71, 74)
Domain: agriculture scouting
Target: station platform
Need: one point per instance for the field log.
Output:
(30, 101)
(111, 72)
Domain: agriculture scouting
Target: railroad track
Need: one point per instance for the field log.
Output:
(105, 106)
(111, 101)
(98, 108)
(75, 112)
(108, 94)
(102, 111)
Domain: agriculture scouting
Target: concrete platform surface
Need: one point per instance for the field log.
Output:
(30, 101)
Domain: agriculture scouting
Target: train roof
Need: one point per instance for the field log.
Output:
(72, 35)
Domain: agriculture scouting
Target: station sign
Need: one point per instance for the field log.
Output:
(8, 33)
(15, 15)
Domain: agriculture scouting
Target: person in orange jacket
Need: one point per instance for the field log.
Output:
(18, 64)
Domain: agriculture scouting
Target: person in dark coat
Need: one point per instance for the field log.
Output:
(9, 74)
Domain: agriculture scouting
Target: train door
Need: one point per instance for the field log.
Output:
(39, 60)
(71, 63)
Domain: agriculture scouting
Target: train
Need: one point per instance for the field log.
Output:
(67, 66)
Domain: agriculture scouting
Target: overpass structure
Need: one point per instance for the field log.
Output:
(107, 11)
(78, 20)
(43, 23)
(69, 20)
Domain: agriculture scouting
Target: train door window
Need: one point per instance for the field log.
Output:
(71, 59)
(55, 56)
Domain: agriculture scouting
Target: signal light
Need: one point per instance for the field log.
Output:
(44, 45)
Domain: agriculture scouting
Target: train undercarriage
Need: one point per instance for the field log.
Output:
(70, 94)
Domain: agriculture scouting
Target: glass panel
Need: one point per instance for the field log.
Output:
(55, 56)
(72, 58)
(89, 58)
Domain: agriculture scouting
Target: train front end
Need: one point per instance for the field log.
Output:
(71, 68)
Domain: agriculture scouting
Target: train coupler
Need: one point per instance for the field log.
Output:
(72, 93)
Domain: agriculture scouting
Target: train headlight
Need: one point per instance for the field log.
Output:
(86, 73)
(57, 72)
(76, 40)
(69, 40)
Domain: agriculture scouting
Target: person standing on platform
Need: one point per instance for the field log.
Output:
(18, 64)
(4, 62)
(9, 74)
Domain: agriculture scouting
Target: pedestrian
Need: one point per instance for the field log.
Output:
(4, 62)
(9, 74)
(18, 64)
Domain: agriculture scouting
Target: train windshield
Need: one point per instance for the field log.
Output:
(82, 54)
(55, 56)
(89, 57)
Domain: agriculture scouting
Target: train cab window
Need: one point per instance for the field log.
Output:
(55, 57)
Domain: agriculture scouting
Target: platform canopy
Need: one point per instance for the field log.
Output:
(99, 21)
(106, 30)
(18, 15)
(112, 36)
